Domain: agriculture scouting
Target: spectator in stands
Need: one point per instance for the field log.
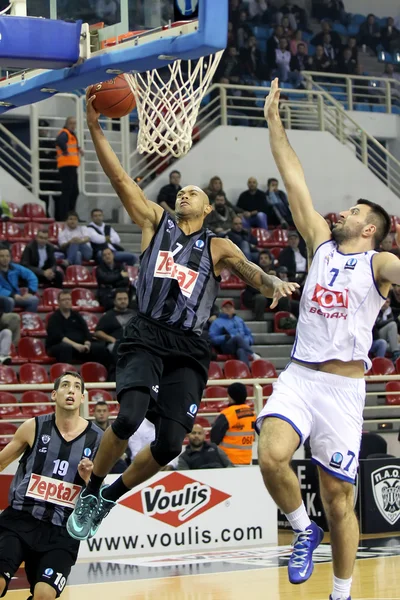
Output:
(200, 454)
(5, 345)
(230, 65)
(74, 240)
(369, 33)
(297, 15)
(390, 37)
(282, 65)
(300, 61)
(243, 30)
(320, 63)
(278, 211)
(329, 50)
(214, 187)
(257, 10)
(386, 327)
(220, 219)
(256, 302)
(230, 334)
(318, 40)
(253, 203)
(294, 258)
(68, 337)
(167, 194)
(11, 321)
(104, 236)
(252, 60)
(387, 246)
(111, 326)
(379, 346)
(10, 293)
(110, 275)
(101, 414)
(238, 419)
(39, 257)
(273, 45)
(295, 41)
(346, 63)
(243, 239)
(68, 161)
(352, 44)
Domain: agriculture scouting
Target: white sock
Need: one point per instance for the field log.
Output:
(341, 588)
(299, 518)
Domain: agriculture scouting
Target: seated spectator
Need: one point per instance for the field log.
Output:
(252, 60)
(300, 61)
(11, 321)
(320, 62)
(369, 33)
(297, 15)
(294, 258)
(214, 188)
(74, 240)
(329, 50)
(352, 44)
(273, 44)
(110, 275)
(167, 195)
(390, 37)
(230, 334)
(387, 245)
(104, 236)
(386, 328)
(253, 203)
(286, 25)
(282, 65)
(379, 346)
(318, 39)
(243, 239)
(101, 414)
(243, 30)
(346, 63)
(5, 345)
(297, 39)
(278, 210)
(10, 293)
(230, 65)
(220, 219)
(200, 454)
(237, 419)
(68, 337)
(111, 326)
(39, 257)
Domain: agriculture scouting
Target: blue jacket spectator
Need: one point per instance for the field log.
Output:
(10, 293)
(230, 334)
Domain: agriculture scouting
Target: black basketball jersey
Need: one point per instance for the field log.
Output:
(176, 283)
(47, 483)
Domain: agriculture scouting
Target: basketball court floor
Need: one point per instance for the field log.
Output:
(257, 574)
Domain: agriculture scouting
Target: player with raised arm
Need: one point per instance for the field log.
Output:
(163, 360)
(321, 393)
(56, 463)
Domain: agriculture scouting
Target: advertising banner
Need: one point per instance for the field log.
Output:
(380, 495)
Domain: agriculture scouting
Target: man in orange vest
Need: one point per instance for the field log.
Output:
(233, 430)
(68, 161)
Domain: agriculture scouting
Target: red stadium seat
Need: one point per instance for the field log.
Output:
(83, 299)
(8, 412)
(7, 375)
(16, 251)
(16, 213)
(13, 232)
(93, 372)
(33, 350)
(212, 406)
(382, 366)
(333, 217)
(6, 429)
(30, 230)
(133, 273)
(91, 320)
(31, 373)
(231, 282)
(202, 421)
(267, 390)
(215, 391)
(263, 368)
(54, 230)
(59, 369)
(15, 357)
(236, 369)
(32, 325)
(263, 237)
(77, 275)
(275, 252)
(215, 371)
(393, 386)
(281, 314)
(49, 301)
(35, 212)
(33, 411)
(102, 396)
(397, 365)
(279, 237)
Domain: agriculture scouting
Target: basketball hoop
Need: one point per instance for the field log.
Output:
(168, 107)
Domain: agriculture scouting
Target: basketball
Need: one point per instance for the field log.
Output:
(114, 97)
(186, 7)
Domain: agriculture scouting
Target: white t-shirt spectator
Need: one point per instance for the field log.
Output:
(97, 238)
(67, 234)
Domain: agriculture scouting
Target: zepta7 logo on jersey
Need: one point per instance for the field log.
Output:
(167, 268)
(330, 299)
(51, 490)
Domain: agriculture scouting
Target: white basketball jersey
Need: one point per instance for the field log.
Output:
(338, 308)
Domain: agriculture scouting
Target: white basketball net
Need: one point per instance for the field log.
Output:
(168, 108)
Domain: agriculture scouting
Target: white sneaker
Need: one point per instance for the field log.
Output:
(256, 356)
(5, 360)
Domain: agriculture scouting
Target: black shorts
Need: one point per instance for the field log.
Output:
(170, 363)
(48, 551)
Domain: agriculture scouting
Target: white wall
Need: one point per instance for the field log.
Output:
(381, 8)
(336, 178)
(13, 191)
(380, 125)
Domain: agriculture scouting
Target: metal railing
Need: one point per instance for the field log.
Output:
(17, 159)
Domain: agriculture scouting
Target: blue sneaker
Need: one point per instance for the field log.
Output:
(301, 565)
(103, 508)
(80, 520)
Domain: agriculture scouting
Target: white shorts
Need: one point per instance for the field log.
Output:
(326, 407)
